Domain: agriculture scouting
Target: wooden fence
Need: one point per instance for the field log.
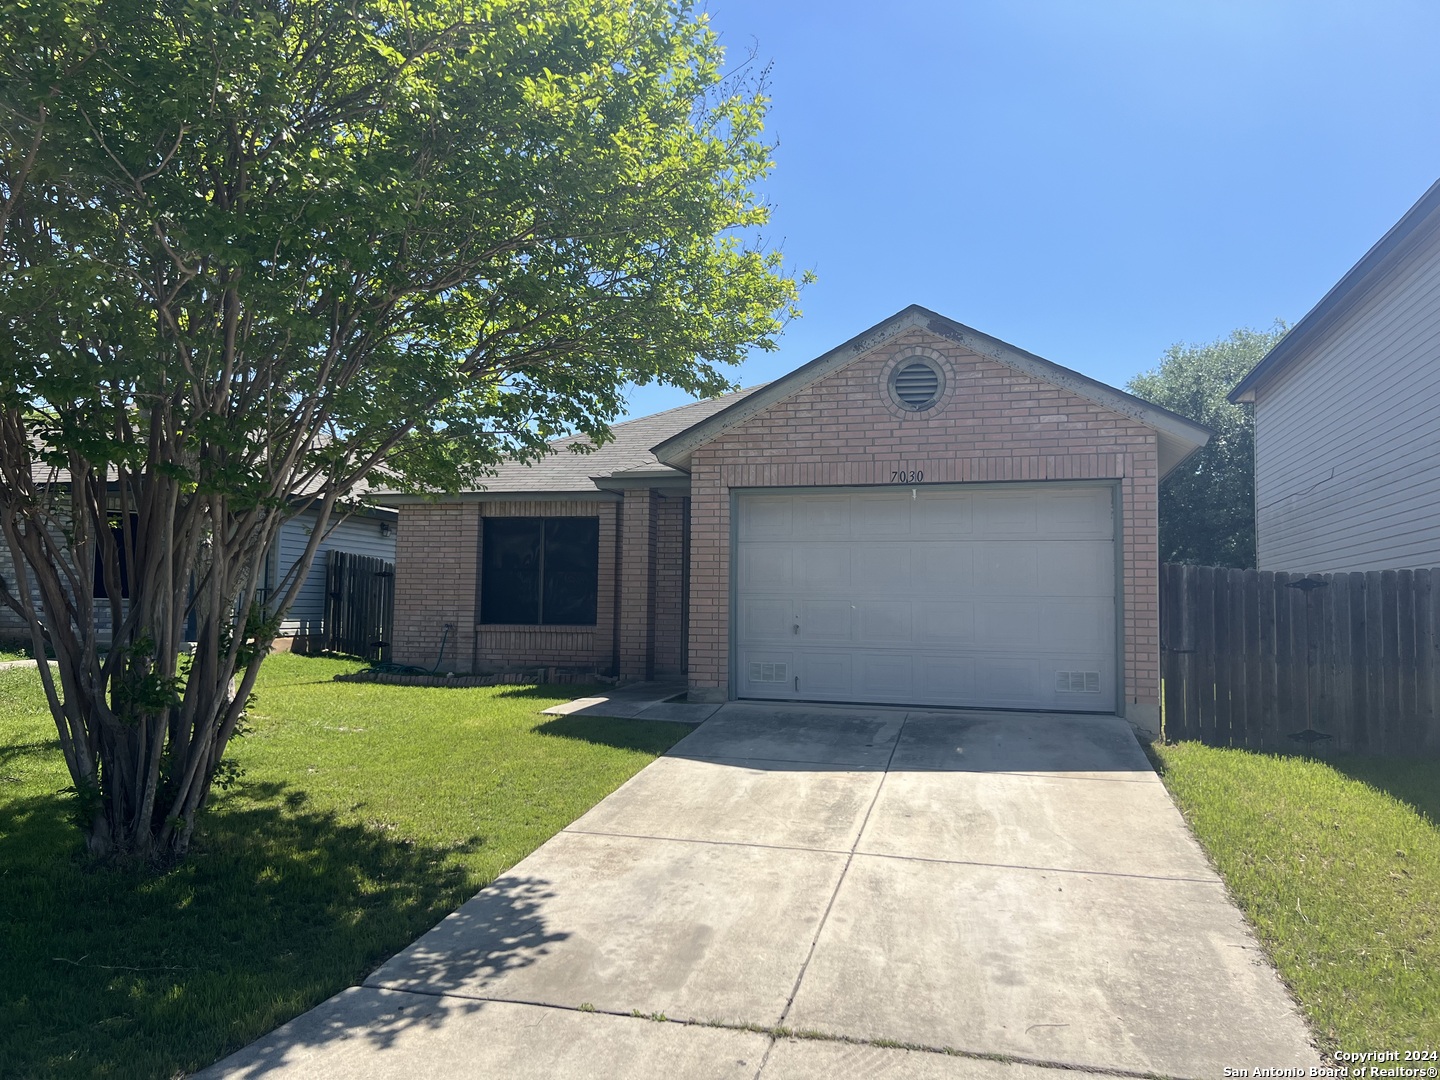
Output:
(359, 605)
(1326, 663)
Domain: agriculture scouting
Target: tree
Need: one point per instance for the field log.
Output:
(1207, 505)
(257, 252)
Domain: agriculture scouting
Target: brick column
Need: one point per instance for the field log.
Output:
(437, 551)
(637, 585)
(709, 665)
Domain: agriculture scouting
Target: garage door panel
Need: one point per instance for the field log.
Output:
(1077, 568)
(1072, 621)
(1086, 515)
(943, 565)
(1006, 569)
(1008, 625)
(825, 515)
(946, 678)
(826, 675)
(880, 566)
(764, 620)
(886, 514)
(946, 623)
(825, 620)
(999, 598)
(942, 516)
(766, 673)
(766, 517)
(885, 622)
(1008, 680)
(885, 676)
(823, 567)
(765, 566)
(1007, 514)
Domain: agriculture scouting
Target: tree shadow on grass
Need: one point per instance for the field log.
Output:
(548, 691)
(1414, 781)
(121, 971)
(650, 736)
(15, 751)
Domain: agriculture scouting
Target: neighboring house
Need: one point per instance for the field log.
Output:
(1347, 416)
(367, 531)
(924, 515)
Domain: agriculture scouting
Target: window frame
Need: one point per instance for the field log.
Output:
(541, 526)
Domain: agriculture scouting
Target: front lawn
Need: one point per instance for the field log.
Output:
(1337, 865)
(365, 814)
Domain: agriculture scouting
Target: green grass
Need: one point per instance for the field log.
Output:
(1337, 865)
(366, 813)
(11, 652)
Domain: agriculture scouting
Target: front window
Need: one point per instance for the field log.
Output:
(539, 571)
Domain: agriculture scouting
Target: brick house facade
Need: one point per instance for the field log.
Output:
(972, 427)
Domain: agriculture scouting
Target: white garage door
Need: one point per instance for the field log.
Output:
(984, 596)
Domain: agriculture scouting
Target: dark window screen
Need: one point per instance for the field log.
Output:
(540, 571)
(118, 535)
(572, 559)
(510, 583)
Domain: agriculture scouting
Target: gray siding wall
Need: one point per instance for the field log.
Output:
(12, 626)
(358, 535)
(1347, 439)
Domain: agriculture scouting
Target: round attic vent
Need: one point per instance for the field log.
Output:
(916, 384)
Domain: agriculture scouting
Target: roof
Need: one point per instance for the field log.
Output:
(626, 458)
(1178, 437)
(1419, 223)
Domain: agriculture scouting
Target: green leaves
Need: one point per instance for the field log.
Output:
(254, 253)
(502, 212)
(1207, 505)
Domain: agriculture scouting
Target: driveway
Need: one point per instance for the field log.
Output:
(968, 886)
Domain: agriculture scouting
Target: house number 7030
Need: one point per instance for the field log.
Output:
(907, 476)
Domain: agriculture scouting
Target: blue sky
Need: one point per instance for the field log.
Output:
(1091, 181)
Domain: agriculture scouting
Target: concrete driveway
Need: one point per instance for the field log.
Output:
(970, 886)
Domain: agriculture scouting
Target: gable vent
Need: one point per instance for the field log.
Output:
(915, 385)
(1077, 682)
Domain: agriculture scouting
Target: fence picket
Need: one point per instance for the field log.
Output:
(1188, 592)
(1172, 679)
(1424, 721)
(1253, 658)
(359, 604)
(1239, 659)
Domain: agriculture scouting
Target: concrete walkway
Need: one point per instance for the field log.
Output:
(974, 886)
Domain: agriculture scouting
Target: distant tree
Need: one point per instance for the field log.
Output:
(1207, 505)
(254, 253)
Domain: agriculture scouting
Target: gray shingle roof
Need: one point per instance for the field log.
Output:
(628, 453)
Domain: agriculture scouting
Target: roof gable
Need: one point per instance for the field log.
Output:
(1178, 437)
(1420, 222)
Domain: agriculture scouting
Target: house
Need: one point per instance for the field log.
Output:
(1347, 416)
(366, 530)
(923, 515)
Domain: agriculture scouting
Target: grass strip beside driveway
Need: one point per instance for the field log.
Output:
(365, 814)
(1337, 865)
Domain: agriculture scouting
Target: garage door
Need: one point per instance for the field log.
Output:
(982, 596)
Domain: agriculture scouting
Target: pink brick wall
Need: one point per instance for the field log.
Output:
(435, 568)
(437, 565)
(671, 518)
(586, 647)
(992, 424)
(637, 584)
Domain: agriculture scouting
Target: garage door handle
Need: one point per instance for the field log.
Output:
(797, 628)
